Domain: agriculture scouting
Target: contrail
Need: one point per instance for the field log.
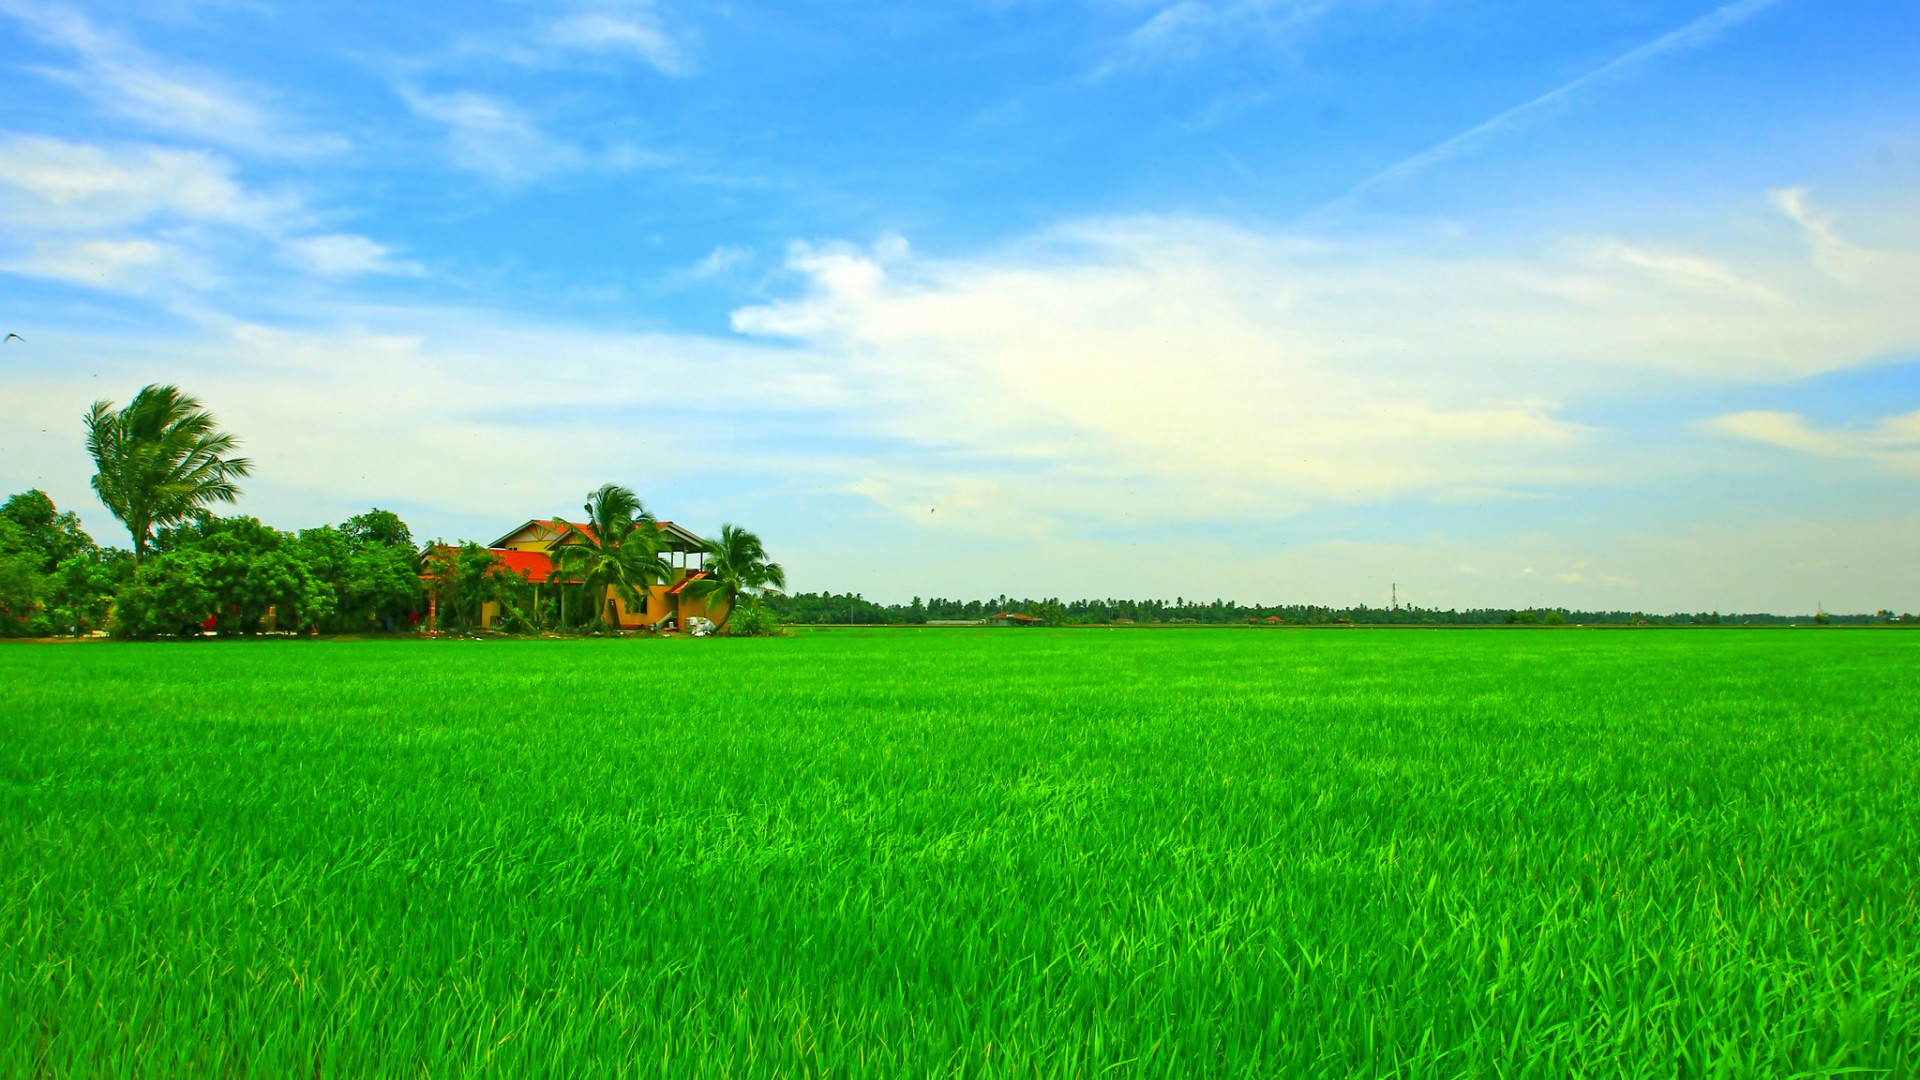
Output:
(1691, 36)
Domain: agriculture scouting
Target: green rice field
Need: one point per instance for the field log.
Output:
(1077, 853)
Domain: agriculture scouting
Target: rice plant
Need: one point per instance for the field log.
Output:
(1056, 854)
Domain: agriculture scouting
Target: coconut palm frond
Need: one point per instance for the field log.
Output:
(160, 460)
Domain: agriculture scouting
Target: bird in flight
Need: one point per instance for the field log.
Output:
(13, 337)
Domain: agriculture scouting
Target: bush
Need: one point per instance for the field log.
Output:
(752, 620)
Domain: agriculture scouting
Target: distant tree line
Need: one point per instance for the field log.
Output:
(854, 609)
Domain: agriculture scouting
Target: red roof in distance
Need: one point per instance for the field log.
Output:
(535, 566)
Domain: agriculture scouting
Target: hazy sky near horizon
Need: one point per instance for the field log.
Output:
(1599, 305)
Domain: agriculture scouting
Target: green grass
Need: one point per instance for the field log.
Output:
(1255, 853)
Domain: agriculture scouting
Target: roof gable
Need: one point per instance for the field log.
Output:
(539, 530)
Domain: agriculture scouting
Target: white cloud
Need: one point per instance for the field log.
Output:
(1184, 30)
(1244, 374)
(1845, 261)
(632, 30)
(490, 136)
(145, 219)
(721, 261)
(136, 266)
(344, 254)
(51, 183)
(1678, 269)
(1893, 441)
(127, 81)
(584, 34)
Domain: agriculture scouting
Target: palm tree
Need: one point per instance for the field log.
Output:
(736, 566)
(160, 460)
(617, 550)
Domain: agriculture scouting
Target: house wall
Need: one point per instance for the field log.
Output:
(715, 610)
(658, 606)
(528, 540)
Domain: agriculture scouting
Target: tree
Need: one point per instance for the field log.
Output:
(45, 532)
(23, 585)
(85, 585)
(378, 527)
(736, 566)
(461, 579)
(370, 564)
(616, 552)
(160, 460)
(236, 572)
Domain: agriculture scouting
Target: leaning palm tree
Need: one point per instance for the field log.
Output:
(159, 461)
(736, 565)
(615, 552)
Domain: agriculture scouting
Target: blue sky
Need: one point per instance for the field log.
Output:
(1596, 305)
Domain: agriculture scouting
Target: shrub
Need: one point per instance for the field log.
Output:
(752, 620)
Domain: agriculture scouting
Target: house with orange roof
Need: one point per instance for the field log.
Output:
(528, 551)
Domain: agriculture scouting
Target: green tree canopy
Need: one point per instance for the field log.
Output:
(160, 460)
(736, 566)
(370, 564)
(46, 533)
(617, 551)
(236, 571)
(462, 579)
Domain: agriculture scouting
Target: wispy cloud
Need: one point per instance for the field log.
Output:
(132, 265)
(143, 219)
(720, 262)
(345, 255)
(620, 30)
(583, 34)
(491, 136)
(1693, 35)
(1254, 374)
(1842, 259)
(53, 183)
(1185, 30)
(1893, 441)
(129, 82)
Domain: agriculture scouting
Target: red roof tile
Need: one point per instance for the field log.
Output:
(535, 566)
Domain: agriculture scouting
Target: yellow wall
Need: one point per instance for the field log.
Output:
(531, 538)
(659, 606)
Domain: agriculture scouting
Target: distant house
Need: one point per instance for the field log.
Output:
(1275, 619)
(1009, 618)
(528, 551)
